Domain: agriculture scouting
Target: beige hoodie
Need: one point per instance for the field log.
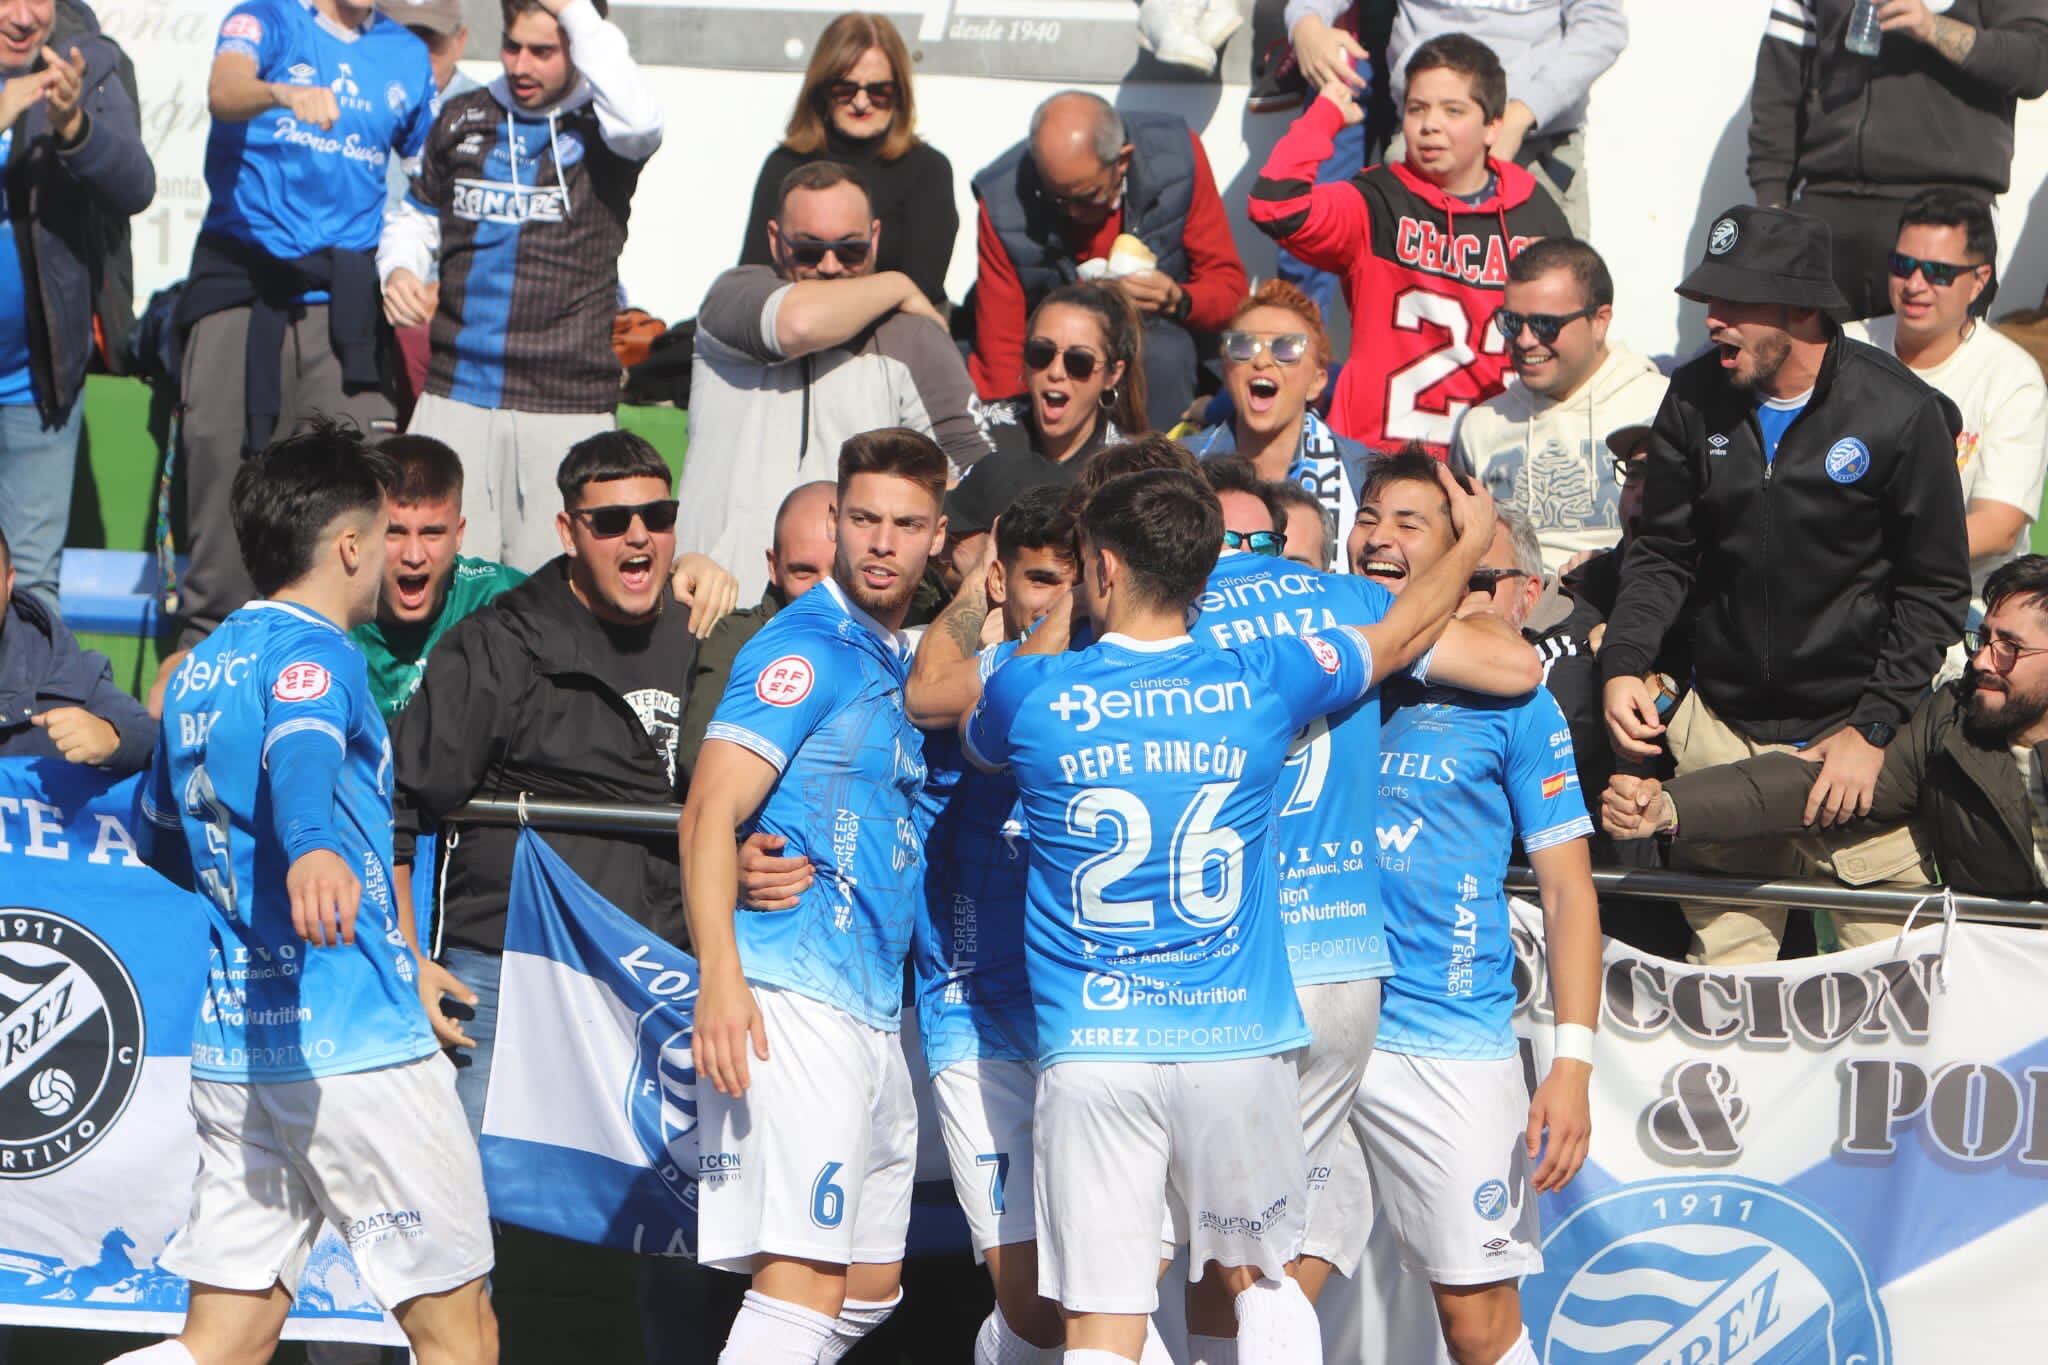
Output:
(1550, 460)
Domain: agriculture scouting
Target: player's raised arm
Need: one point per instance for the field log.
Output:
(945, 678)
(1419, 615)
(730, 784)
(1483, 653)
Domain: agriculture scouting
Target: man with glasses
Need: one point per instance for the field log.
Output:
(1942, 283)
(1967, 769)
(563, 687)
(794, 359)
(1801, 503)
(1541, 445)
(1087, 184)
(521, 204)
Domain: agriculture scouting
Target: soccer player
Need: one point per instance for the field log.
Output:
(1329, 891)
(316, 1081)
(1147, 767)
(809, 1131)
(1449, 1126)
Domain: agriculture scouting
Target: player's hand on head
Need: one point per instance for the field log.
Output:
(1560, 1125)
(435, 982)
(727, 1019)
(1472, 510)
(704, 586)
(1632, 722)
(769, 882)
(324, 895)
(78, 735)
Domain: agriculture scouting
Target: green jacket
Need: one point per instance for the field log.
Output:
(397, 655)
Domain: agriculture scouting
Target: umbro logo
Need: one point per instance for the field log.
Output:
(1717, 444)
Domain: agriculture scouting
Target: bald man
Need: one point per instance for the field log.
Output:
(800, 556)
(1086, 175)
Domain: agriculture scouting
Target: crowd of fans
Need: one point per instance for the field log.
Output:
(1780, 592)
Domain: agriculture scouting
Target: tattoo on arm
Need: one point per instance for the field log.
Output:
(1953, 38)
(964, 621)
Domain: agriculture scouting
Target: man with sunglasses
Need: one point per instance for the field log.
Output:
(521, 204)
(1941, 280)
(793, 360)
(1967, 769)
(566, 686)
(1541, 444)
(1801, 505)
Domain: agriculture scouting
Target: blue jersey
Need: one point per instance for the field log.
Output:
(1461, 777)
(276, 1007)
(973, 995)
(1329, 887)
(1148, 775)
(818, 693)
(291, 188)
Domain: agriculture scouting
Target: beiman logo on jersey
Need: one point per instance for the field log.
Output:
(1148, 699)
(1722, 1271)
(492, 201)
(71, 1041)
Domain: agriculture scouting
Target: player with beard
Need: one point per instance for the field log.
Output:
(1966, 769)
(809, 1130)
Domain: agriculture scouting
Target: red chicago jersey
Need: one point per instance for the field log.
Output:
(1422, 274)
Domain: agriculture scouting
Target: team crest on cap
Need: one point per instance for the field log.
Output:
(1722, 238)
(1848, 460)
(786, 681)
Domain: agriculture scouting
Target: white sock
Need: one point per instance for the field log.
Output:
(997, 1343)
(1092, 1357)
(772, 1332)
(1211, 1350)
(857, 1318)
(1155, 1352)
(1521, 1353)
(169, 1352)
(1276, 1325)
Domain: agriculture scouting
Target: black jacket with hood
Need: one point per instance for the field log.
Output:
(1830, 581)
(522, 697)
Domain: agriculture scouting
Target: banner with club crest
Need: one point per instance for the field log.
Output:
(102, 967)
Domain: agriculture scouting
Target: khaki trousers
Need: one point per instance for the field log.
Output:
(1727, 936)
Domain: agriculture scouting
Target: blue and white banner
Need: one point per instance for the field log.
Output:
(102, 965)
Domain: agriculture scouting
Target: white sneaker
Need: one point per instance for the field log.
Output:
(1220, 19)
(1171, 30)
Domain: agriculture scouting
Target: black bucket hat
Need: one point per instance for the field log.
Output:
(1759, 255)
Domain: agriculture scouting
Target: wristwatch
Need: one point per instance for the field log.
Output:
(1877, 733)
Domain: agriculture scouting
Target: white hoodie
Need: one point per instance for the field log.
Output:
(1550, 460)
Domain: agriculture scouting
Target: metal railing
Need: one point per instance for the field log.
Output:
(1893, 902)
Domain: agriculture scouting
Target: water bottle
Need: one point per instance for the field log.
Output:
(1864, 34)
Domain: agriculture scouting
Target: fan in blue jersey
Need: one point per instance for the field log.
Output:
(310, 100)
(1328, 883)
(1146, 766)
(316, 1081)
(1446, 1118)
(809, 1130)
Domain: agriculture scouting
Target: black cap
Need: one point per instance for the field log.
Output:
(1766, 256)
(989, 488)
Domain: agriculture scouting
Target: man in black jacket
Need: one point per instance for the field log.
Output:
(1854, 137)
(57, 700)
(1801, 490)
(1967, 769)
(563, 687)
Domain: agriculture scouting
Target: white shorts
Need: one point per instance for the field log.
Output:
(1344, 1017)
(1120, 1144)
(1445, 1141)
(817, 1159)
(384, 1155)
(984, 1110)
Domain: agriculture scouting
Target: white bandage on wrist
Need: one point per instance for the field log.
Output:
(1574, 1041)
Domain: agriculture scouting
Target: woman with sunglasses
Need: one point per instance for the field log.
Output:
(1084, 378)
(1276, 362)
(856, 107)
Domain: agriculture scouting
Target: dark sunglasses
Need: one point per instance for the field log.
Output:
(881, 94)
(1546, 326)
(809, 251)
(1940, 274)
(1080, 361)
(1258, 542)
(1243, 348)
(1486, 580)
(614, 520)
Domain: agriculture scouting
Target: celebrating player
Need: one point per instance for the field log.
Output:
(1146, 766)
(1447, 1120)
(316, 1081)
(809, 1131)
